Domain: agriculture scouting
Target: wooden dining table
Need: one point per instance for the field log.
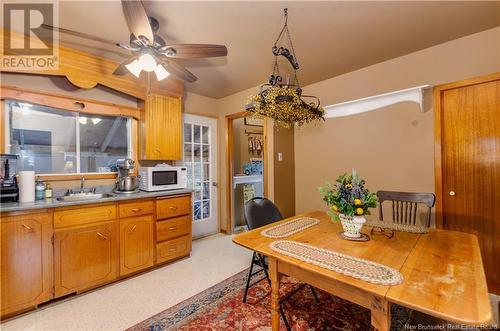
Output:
(442, 270)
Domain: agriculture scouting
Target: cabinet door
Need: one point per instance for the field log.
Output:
(136, 244)
(161, 128)
(26, 271)
(85, 257)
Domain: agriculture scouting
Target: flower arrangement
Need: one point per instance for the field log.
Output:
(348, 196)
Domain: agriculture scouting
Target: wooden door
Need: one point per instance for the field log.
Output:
(85, 257)
(468, 178)
(136, 244)
(26, 264)
(161, 128)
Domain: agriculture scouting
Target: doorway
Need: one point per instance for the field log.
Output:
(247, 177)
(200, 158)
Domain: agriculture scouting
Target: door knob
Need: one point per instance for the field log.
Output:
(452, 193)
(214, 184)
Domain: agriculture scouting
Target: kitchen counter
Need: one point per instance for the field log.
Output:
(54, 203)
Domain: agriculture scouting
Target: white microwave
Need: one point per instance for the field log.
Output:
(162, 177)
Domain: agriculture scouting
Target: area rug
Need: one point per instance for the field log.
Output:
(221, 307)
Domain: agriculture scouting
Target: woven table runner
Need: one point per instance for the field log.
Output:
(398, 227)
(288, 228)
(368, 271)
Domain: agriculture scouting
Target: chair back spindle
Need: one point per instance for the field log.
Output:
(405, 206)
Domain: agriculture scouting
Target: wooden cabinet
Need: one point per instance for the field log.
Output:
(54, 252)
(26, 263)
(136, 244)
(136, 208)
(161, 128)
(172, 228)
(85, 256)
(173, 207)
(173, 249)
(468, 164)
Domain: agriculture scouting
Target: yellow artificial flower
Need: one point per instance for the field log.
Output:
(357, 202)
(348, 186)
(334, 208)
(359, 211)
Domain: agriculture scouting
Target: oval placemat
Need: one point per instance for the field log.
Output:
(288, 228)
(398, 227)
(368, 271)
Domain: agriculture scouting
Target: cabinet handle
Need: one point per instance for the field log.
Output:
(133, 229)
(157, 150)
(172, 228)
(29, 228)
(173, 207)
(103, 237)
(136, 210)
(172, 249)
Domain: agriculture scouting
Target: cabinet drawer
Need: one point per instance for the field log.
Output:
(66, 217)
(172, 228)
(172, 207)
(172, 249)
(136, 208)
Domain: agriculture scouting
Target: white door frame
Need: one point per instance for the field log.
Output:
(209, 226)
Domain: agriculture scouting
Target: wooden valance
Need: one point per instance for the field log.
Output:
(86, 71)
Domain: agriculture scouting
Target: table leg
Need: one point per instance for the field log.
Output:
(275, 277)
(381, 314)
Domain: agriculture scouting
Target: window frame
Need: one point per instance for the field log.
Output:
(80, 106)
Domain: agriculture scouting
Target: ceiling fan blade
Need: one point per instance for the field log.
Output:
(78, 34)
(137, 20)
(122, 69)
(191, 51)
(178, 70)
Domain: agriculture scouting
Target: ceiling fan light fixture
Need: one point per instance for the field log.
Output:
(161, 73)
(134, 67)
(147, 62)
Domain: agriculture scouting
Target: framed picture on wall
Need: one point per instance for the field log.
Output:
(254, 121)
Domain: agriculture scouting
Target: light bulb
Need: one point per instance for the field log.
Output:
(134, 67)
(161, 73)
(147, 62)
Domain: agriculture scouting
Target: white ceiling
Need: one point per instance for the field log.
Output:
(330, 38)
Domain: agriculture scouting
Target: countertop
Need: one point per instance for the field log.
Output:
(54, 203)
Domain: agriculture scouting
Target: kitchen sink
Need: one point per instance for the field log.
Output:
(84, 196)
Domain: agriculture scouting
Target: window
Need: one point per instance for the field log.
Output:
(197, 161)
(54, 141)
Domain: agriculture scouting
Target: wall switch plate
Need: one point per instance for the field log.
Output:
(280, 156)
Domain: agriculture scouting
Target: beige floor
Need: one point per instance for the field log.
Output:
(120, 305)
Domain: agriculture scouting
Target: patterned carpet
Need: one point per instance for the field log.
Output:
(221, 308)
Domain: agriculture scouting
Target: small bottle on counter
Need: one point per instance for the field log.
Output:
(48, 191)
(39, 189)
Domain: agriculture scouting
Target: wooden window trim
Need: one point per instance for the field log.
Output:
(68, 103)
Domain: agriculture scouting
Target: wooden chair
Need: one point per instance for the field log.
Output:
(260, 212)
(405, 204)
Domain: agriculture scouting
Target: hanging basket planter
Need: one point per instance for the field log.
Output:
(284, 103)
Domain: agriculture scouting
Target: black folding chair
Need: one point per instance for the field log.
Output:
(260, 212)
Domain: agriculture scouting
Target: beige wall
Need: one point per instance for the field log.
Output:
(392, 148)
(284, 170)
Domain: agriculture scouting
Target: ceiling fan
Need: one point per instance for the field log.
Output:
(150, 52)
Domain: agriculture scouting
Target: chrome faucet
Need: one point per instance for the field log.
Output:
(82, 182)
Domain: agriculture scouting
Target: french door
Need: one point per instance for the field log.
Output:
(200, 158)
